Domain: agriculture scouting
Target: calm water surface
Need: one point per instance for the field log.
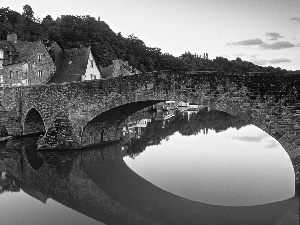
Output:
(232, 168)
(182, 168)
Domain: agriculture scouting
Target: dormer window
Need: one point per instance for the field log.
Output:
(40, 57)
(40, 73)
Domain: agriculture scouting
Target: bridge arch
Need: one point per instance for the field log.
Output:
(33, 123)
(107, 126)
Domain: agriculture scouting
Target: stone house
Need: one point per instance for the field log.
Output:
(118, 68)
(76, 64)
(24, 63)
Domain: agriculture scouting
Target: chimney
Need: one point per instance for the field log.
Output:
(12, 37)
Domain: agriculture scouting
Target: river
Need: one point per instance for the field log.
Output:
(182, 166)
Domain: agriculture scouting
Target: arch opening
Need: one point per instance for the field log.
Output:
(107, 126)
(33, 123)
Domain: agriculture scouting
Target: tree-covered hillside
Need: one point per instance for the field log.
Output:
(75, 31)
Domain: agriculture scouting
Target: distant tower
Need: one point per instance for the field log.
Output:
(98, 18)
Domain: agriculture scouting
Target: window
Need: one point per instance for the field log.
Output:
(17, 73)
(10, 74)
(92, 63)
(40, 73)
(40, 57)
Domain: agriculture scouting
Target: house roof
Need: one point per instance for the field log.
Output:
(57, 79)
(73, 61)
(128, 68)
(136, 71)
(119, 68)
(125, 72)
(24, 49)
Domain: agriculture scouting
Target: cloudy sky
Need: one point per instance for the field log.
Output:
(265, 32)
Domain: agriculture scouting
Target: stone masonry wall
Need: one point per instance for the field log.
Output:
(272, 103)
(45, 64)
(14, 74)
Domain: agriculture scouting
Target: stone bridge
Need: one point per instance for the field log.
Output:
(64, 111)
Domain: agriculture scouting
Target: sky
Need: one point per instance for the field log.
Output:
(265, 32)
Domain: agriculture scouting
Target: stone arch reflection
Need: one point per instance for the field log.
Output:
(33, 123)
(99, 184)
(33, 157)
(142, 197)
(193, 122)
(271, 122)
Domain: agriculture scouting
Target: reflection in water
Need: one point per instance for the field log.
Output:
(231, 168)
(100, 186)
(32, 155)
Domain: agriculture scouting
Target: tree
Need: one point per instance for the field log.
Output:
(75, 31)
(28, 13)
(47, 19)
(238, 59)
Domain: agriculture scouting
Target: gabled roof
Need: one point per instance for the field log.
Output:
(23, 49)
(125, 72)
(136, 71)
(26, 50)
(20, 44)
(128, 68)
(57, 79)
(119, 68)
(73, 61)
